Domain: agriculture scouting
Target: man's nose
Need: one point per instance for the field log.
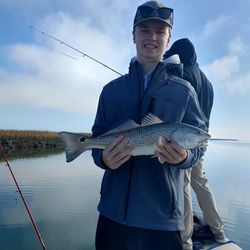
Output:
(152, 34)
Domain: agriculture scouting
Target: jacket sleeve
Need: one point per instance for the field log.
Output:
(99, 128)
(193, 116)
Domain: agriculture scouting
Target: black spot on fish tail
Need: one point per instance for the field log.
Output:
(82, 139)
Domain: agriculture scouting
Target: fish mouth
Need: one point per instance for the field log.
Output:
(203, 142)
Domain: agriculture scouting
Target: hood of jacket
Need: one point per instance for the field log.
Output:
(185, 49)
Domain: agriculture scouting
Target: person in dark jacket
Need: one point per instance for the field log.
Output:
(141, 205)
(195, 175)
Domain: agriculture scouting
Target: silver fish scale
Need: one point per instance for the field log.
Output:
(143, 138)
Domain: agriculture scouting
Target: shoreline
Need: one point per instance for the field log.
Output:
(24, 142)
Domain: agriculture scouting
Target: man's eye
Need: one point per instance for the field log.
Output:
(161, 32)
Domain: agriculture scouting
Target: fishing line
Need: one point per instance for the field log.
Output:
(73, 48)
(23, 199)
(64, 54)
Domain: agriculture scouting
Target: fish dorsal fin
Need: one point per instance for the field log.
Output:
(129, 124)
(150, 119)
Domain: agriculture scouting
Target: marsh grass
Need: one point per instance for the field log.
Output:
(28, 142)
(27, 134)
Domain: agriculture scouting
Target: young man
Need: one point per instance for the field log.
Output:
(195, 175)
(141, 206)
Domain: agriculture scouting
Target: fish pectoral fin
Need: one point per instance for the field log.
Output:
(161, 161)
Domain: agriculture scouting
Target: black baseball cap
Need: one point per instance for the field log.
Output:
(154, 10)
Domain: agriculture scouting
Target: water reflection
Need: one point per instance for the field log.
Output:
(227, 167)
(63, 198)
(31, 153)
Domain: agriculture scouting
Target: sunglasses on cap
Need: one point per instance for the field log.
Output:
(164, 13)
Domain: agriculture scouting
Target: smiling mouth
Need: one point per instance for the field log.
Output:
(150, 46)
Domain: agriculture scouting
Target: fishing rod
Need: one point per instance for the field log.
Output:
(73, 48)
(25, 204)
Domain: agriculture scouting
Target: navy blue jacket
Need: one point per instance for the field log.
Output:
(142, 192)
(193, 74)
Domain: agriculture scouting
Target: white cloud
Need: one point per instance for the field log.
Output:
(222, 69)
(110, 16)
(48, 79)
(232, 70)
(82, 34)
(241, 85)
(238, 47)
(212, 28)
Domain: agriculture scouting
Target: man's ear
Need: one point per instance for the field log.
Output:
(133, 34)
(168, 41)
(169, 36)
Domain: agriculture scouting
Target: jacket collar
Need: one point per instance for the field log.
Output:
(172, 65)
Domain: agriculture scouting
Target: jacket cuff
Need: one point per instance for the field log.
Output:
(97, 156)
(187, 163)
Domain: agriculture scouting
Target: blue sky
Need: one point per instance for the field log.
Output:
(41, 89)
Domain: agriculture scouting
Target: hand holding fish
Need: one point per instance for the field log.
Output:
(169, 151)
(117, 152)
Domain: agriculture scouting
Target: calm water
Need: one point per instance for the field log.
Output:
(63, 199)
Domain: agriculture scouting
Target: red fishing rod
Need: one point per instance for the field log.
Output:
(25, 204)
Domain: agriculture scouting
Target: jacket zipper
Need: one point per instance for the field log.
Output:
(131, 167)
(140, 100)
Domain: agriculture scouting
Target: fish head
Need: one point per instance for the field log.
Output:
(190, 137)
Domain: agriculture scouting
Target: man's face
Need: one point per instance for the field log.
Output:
(151, 39)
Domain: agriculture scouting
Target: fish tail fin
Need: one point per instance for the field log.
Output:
(74, 144)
